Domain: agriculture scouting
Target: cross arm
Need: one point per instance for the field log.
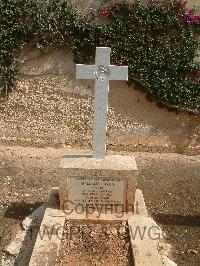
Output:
(118, 73)
(85, 71)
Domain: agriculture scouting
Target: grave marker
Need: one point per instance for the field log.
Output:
(102, 72)
(99, 180)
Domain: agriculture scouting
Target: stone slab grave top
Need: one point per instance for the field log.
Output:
(85, 165)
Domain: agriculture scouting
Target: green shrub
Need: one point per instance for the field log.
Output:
(35, 22)
(157, 40)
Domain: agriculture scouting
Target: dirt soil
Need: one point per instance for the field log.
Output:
(170, 183)
(95, 244)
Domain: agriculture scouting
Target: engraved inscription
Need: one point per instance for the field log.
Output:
(96, 191)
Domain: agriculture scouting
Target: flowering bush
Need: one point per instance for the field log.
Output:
(157, 40)
(105, 13)
(191, 18)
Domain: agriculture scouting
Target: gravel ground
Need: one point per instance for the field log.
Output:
(95, 244)
(170, 183)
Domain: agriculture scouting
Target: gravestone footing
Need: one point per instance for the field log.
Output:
(46, 248)
(102, 185)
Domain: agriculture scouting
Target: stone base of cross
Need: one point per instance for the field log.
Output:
(102, 72)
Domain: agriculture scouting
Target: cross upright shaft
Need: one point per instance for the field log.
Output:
(102, 72)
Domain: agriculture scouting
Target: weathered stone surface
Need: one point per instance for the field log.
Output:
(35, 218)
(146, 241)
(114, 163)
(146, 237)
(50, 233)
(22, 245)
(140, 206)
(98, 182)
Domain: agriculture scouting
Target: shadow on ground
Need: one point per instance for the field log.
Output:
(26, 238)
(175, 219)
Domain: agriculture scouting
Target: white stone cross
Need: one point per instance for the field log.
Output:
(102, 72)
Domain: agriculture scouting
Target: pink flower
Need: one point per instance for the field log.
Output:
(105, 13)
(191, 18)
